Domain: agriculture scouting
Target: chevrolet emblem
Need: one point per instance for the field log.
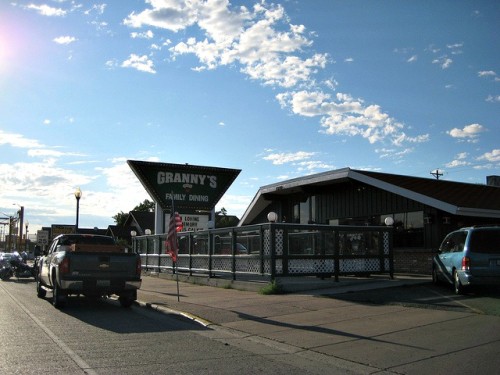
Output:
(103, 265)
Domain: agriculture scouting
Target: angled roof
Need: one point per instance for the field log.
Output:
(120, 231)
(456, 198)
(141, 220)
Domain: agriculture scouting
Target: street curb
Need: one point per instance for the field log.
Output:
(167, 310)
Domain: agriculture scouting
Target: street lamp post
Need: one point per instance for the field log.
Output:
(26, 238)
(78, 195)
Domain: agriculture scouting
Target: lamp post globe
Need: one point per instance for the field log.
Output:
(78, 195)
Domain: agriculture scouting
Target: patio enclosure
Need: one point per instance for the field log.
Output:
(273, 250)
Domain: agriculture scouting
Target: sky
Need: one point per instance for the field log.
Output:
(278, 89)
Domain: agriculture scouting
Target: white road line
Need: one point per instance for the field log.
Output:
(477, 311)
(65, 348)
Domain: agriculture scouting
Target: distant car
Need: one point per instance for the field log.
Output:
(226, 249)
(468, 257)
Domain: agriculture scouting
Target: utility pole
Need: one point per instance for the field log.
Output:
(11, 223)
(21, 219)
(437, 173)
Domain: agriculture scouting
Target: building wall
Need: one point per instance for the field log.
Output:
(413, 261)
(356, 200)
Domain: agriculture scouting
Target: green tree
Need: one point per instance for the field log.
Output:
(223, 220)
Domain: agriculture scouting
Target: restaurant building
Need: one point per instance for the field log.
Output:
(421, 210)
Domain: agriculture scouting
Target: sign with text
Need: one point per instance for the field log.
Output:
(42, 237)
(193, 188)
(57, 229)
(192, 223)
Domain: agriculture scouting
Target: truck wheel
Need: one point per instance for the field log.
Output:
(58, 297)
(40, 292)
(125, 301)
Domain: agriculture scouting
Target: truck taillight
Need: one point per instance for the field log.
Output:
(138, 268)
(465, 263)
(64, 266)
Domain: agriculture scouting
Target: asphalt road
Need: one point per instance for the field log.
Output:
(428, 296)
(103, 338)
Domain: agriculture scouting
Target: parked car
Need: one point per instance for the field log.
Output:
(226, 249)
(468, 257)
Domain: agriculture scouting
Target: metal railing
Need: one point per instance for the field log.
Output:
(274, 250)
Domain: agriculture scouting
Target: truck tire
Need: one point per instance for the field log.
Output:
(58, 297)
(126, 300)
(40, 292)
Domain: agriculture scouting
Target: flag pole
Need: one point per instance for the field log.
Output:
(175, 268)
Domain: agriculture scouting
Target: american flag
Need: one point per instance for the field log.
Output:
(174, 226)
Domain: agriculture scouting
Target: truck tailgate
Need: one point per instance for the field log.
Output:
(110, 265)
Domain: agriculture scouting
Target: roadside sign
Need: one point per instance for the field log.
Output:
(42, 237)
(194, 188)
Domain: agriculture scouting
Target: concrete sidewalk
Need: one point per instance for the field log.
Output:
(358, 338)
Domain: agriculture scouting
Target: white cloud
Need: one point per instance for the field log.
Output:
(493, 156)
(97, 8)
(283, 158)
(251, 38)
(271, 50)
(64, 39)
(459, 161)
(486, 73)
(311, 166)
(412, 59)
(51, 190)
(18, 140)
(347, 116)
(493, 99)
(46, 10)
(394, 153)
(172, 15)
(469, 132)
(456, 49)
(444, 61)
(141, 63)
(35, 148)
(145, 35)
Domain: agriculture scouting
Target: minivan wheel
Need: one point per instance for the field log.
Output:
(435, 277)
(457, 285)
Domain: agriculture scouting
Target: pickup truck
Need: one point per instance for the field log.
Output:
(90, 265)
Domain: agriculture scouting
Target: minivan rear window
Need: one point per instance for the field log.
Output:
(485, 241)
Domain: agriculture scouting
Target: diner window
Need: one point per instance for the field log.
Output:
(305, 212)
(409, 229)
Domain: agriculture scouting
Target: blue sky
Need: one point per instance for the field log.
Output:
(277, 89)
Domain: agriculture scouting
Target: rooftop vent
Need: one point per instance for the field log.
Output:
(493, 181)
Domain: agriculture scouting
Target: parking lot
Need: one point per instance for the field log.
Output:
(429, 296)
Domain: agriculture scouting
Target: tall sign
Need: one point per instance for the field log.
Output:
(193, 188)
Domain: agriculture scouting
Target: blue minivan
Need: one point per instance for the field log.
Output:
(469, 257)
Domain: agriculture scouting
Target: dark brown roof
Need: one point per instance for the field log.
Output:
(458, 194)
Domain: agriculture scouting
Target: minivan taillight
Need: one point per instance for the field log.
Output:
(64, 266)
(465, 263)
